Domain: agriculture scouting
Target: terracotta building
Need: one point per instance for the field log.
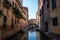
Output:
(10, 15)
(24, 20)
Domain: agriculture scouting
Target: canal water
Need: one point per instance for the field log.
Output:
(31, 35)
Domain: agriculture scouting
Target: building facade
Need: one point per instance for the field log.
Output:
(55, 20)
(49, 18)
(10, 15)
(24, 20)
(38, 19)
(40, 9)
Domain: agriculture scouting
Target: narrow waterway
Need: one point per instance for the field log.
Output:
(31, 35)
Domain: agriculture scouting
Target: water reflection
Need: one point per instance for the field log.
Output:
(31, 35)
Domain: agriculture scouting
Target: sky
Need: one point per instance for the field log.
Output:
(32, 7)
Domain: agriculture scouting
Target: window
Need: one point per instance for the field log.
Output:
(5, 22)
(55, 21)
(12, 24)
(6, 3)
(14, 7)
(0, 3)
(15, 21)
(1, 13)
(42, 9)
(5, 19)
(42, 12)
(53, 4)
(13, 3)
(48, 3)
(46, 26)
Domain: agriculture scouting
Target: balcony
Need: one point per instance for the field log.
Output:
(18, 1)
(1, 13)
(19, 15)
(14, 9)
(24, 18)
(16, 12)
(6, 3)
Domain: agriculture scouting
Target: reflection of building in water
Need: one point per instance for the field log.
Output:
(24, 36)
(37, 36)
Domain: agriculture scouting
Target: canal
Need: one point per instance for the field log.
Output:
(27, 35)
(31, 35)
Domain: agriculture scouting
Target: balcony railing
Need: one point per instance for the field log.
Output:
(14, 9)
(24, 18)
(6, 3)
(17, 12)
(1, 13)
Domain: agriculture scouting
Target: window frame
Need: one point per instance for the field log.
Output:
(48, 3)
(55, 21)
(53, 4)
